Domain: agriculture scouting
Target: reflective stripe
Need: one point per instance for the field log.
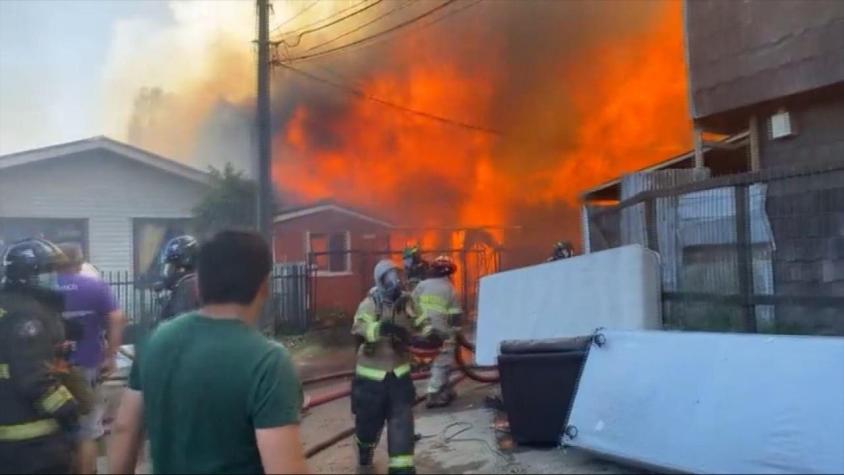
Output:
(402, 370)
(433, 303)
(455, 311)
(401, 461)
(366, 317)
(29, 430)
(427, 330)
(53, 401)
(371, 331)
(4, 371)
(367, 445)
(379, 374)
(2, 312)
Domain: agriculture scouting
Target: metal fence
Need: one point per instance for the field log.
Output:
(755, 252)
(286, 312)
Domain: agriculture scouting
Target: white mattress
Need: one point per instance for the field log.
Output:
(714, 402)
(616, 289)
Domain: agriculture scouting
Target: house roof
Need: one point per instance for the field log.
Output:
(103, 143)
(668, 163)
(326, 205)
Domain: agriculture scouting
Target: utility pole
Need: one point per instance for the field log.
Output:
(265, 189)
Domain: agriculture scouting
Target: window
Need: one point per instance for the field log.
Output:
(330, 252)
(149, 238)
(56, 230)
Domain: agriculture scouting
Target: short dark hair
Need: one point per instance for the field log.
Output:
(232, 265)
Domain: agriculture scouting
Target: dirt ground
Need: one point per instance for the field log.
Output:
(459, 439)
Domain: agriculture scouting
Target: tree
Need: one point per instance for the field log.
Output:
(229, 202)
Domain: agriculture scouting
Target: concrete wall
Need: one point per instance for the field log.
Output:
(106, 189)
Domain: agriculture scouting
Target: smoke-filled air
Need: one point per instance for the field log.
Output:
(481, 113)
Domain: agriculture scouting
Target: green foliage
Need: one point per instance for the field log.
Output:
(229, 202)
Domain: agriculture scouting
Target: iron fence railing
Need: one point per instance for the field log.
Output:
(755, 252)
(287, 310)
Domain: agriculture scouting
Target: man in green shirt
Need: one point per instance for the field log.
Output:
(214, 395)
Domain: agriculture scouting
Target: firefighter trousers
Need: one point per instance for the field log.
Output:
(443, 362)
(390, 401)
(50, 454)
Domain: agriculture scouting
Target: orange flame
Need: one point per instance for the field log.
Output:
(628, 99)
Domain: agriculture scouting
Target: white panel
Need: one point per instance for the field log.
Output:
(616, 289)
(714, 402)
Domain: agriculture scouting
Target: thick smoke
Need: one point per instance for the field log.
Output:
(580, 91)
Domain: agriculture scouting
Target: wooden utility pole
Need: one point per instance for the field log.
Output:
(265, 187)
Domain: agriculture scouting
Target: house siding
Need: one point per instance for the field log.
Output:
(334, 293)
(106, 189)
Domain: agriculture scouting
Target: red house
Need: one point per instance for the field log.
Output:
(341, 245)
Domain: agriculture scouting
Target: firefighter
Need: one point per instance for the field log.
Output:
(39, 413)
(382, 390)
(179, 276)
(415, 267)
(440, 312)
(562, 250)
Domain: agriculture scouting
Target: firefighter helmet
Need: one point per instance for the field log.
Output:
(443, 266)
(32, 262)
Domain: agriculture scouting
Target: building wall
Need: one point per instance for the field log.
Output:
(334, 293)
(107, 190)
(746, 52)
(820, 134)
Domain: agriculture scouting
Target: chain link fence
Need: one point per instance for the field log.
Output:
(755, 252)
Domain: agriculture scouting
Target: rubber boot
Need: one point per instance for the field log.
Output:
(438, 399)
(402, 470)
(365, 455)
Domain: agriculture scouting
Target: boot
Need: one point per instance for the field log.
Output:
(402, 470)
(365, 454)
(437, 399)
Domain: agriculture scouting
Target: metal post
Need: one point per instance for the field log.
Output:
(753, 131)
(745, 257)
(698, 140)
(265, 192)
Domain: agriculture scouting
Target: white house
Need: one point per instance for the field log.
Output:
(119, 202)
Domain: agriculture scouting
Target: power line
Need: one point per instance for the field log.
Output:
(382, 33)
(334, 22)
(321, 20)
(364, 25)
(362, 95)
(295, 16)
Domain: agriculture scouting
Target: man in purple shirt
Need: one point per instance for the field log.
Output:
(92, 314)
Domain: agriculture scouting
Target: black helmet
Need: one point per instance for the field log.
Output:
(32, 262)
(179, 258)
(562, 250)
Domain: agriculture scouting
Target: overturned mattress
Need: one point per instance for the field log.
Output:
(617, 289)
(713, 403)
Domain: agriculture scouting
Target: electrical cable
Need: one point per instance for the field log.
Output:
(295, 16)
(363, 95)
(334, 22)
(321, 20)
(375, 35)
(362, 26)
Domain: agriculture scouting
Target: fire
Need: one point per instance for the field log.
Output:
(627, 99)
(581, 92)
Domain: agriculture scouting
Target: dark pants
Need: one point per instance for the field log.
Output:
(390, 401)
(43, 455)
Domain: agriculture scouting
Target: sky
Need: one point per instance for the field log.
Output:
(52, 59)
